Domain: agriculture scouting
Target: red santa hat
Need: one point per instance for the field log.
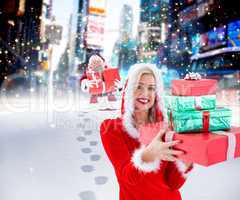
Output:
(128, 101)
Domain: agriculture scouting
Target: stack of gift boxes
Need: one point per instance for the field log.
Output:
(192, 106)
(204, 129)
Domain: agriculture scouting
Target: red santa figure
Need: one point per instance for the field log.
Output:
(150, 172)
(95, 70)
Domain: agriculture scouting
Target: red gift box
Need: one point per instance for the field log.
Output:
(202, 148)
(201, 87)
(98, 84)
(109, 76)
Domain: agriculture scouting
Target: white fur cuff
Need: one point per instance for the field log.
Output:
(182, 168)
(84, 85)
(144, 166)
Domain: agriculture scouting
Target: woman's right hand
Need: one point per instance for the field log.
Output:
(158, 149)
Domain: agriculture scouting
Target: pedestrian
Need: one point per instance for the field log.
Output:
(151, 172)
(97, 64)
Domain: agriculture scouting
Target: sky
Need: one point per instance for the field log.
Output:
(63, 10)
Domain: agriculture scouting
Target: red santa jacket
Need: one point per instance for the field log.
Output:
(158, 180)
(83, 80)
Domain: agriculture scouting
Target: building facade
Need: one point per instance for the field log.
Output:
(153, 28)
(202, 32)
(87, 32)
(19, 36)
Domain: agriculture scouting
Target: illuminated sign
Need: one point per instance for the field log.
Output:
(95, 31)
(195, 44)
(21, 8)
(204, 42)
(188, 14)
(233, 34)
(213, 39)
(97, 7)
(217, 37)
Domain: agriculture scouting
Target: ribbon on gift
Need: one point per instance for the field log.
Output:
(206, 119)
(169, 136)
(171, 121)
(198, 102)
(231, 143)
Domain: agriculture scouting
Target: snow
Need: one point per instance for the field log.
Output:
(63, 158)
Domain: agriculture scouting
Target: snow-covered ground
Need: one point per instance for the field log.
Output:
(56, 154)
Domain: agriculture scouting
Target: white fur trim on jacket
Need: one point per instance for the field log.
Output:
(182, 168)
(104, 87)
(128, 98)
(84, 85)
(144, 166)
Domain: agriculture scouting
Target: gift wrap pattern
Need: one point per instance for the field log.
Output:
(189, 103)
(189, 121)
(200, 87)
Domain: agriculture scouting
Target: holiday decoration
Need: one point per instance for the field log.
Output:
(200, 121)
(190, 87)
(188, 103)
(110, 75)
(95, 78)
(103, 82)
(202, 148)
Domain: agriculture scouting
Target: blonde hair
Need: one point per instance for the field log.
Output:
(143, 72)
(152, 110)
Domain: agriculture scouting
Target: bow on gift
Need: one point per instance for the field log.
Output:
(192, 76)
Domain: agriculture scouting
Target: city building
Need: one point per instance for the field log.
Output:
(125, 48)
(153, 28)
(19, 37)
(87, 32)
(204, 36)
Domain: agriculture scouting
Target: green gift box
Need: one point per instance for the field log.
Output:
(200, 121)
(187, 103)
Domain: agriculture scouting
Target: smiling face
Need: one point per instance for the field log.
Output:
(145, 92)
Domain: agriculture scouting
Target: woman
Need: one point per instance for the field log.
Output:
(143, 172)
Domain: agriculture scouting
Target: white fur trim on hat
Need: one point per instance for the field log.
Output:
(128, 98)
(144, 166)
(182, 168)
